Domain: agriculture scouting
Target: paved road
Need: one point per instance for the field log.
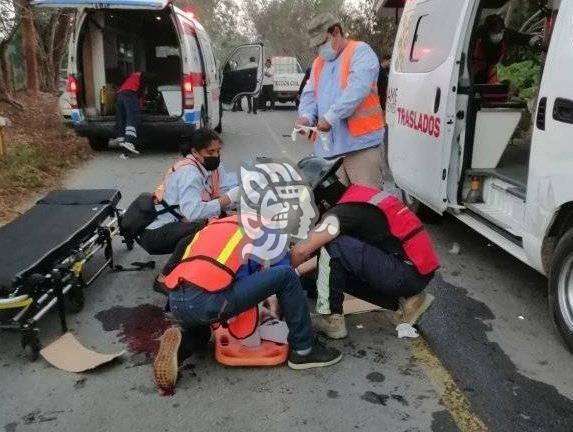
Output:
(488, 359)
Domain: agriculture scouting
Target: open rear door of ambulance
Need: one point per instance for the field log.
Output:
(421, 97)
(104, 4)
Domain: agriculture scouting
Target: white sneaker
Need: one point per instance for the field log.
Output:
(332, 326)
(116, 142)
(128, 146)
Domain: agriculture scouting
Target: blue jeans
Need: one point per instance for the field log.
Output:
(369, 273)
(127, 115)
(192, 306)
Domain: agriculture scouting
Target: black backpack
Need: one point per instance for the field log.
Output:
(141, 213)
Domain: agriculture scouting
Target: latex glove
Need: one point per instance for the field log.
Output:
(234, 194)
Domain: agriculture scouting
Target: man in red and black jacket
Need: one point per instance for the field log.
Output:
(370, 245)
(129, 101)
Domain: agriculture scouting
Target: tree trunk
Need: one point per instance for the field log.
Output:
(30, 49)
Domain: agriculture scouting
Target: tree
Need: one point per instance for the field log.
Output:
(30, 48)
(9, 22)
(53, 33)
(224, 22)
(281, 24)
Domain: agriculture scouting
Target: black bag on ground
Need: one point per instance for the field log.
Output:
(141, 213)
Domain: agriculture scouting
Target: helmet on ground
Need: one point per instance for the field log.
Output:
(315, 171)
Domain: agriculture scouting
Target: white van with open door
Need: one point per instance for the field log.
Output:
(452, 145)
(113, 38)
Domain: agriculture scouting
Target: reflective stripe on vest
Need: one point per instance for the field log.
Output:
(205, 194)
(210, 262)
(403, 224)
(369, 116)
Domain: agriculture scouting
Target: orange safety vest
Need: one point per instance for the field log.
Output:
(159, 193)
(368, 117)
(480, 63)
(211, 262)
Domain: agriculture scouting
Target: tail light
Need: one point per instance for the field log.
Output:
(187, 90)
(73, 89)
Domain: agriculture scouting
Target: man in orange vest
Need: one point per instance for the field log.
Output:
(213, 281)
(371, 246)
(341, 100)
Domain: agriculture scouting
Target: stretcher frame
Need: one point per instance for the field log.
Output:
(61, 288)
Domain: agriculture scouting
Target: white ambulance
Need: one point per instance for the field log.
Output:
(113, 38)
(451, 146)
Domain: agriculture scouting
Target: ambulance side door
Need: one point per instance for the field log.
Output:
(421, 98)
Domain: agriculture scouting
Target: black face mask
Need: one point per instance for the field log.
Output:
(211, 163)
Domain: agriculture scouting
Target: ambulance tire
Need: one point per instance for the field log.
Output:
(425, 213)
(561, 288)
(98, 143)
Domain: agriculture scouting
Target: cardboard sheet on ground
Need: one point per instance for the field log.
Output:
(353, 305)
(68, 354)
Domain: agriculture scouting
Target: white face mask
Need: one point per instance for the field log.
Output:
(496, 38)
(327, 52)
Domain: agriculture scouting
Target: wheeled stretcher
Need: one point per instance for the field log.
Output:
(43, 252)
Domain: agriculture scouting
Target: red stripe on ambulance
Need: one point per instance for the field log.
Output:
(425, 123)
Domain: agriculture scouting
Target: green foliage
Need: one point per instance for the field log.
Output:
(523, 78)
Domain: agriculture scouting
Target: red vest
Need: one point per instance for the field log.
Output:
(211, 262)
(402, 223)
(480, 63)
(132, 83)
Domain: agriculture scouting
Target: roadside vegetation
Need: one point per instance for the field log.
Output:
(40, 151)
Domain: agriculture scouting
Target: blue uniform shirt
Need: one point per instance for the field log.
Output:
(336, 105)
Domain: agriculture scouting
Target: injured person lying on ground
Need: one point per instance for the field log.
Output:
(209, 282)
(371, 246)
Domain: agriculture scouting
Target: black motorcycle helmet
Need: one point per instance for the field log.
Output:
(320, 174)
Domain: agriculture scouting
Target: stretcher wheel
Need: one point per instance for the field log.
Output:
(31, 346)
(75, 300)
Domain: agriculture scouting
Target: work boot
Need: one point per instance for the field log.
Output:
(412, 308)
(332, 326)
(319, 356)
(165, 366)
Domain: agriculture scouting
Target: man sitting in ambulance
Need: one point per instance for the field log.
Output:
(371, 246)
(493, 41)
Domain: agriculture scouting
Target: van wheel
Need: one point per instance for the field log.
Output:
(425, 213)
(98, 143)
(561, 288)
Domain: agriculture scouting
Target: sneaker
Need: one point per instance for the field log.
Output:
(165, 366)
(159, 287)
(116, 142)
(129, 147)
(332, 326)
(412, 308)
(319, 356)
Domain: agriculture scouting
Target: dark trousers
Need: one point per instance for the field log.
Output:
(127, 115)
(165, 240)
(252, 103)
(366, 272)
(194, 307)
(267, 94)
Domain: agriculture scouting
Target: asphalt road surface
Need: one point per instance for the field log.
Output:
(488, 358)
